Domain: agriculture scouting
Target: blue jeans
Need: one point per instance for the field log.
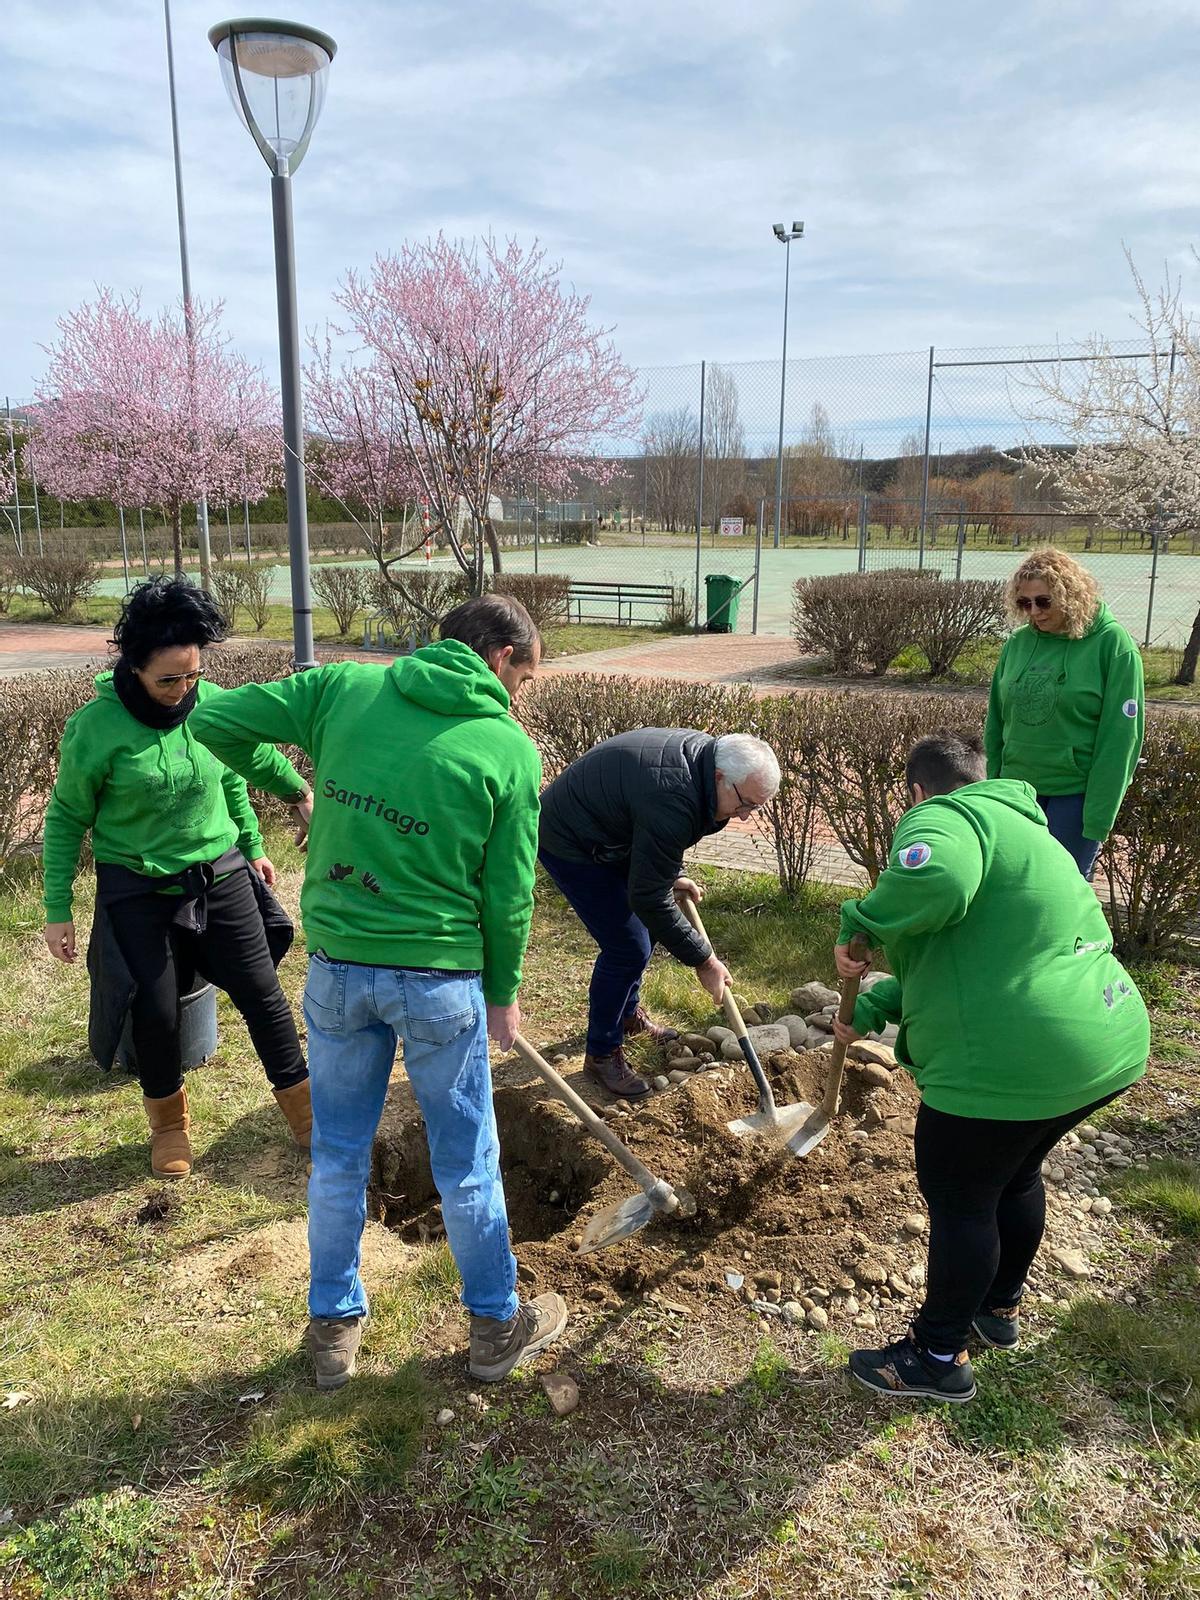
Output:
(1064, 813)
(355, 1015)
(599, 895)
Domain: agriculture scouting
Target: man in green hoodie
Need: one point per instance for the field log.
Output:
(416, 903)
(1017, 1022)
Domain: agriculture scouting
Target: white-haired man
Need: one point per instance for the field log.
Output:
(614, 828)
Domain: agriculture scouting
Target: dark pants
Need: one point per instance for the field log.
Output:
(982, 1182)
(1064, 813)
(599, 895)
(164, 962)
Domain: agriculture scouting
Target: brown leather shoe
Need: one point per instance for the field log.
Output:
(639, 1021)
(615, 1074)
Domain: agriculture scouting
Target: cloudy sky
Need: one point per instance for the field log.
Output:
(966, 174)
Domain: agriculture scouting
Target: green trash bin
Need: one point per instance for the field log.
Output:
(721, 593)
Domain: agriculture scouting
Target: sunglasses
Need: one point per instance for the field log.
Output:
(1042, 601)
(179, 677)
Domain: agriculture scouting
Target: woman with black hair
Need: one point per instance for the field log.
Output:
(175, 841)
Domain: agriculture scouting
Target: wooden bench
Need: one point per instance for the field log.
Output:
(625, 596)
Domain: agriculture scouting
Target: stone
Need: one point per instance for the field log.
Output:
(797, 1031)
(768, 1279)
(916, 1274)
(697, 1043)
(815, 1039)
(914, 1223)
(819, 1292)
(904, 1125)
(707, 1058)
(869, 979)
(1073, 1262)
(868, 1052)
(662, 1082)
(851, 1306)
(818, 1019)
(867, 1320)
(1119, 1161)
(718, 1035)
(562, 1393)
(1057, 1175)
(818, 1317)
(875, 1077)
(889, 1035)
(1101, 1206)
(1087, 1130)
(678, 1075)
(772, 1296)
(793, 1311)
(750, 1016)
(814, 997)
(766, 1038)
(559, 1058)
(868, 1271)
(897, 1284)
(445, 1417)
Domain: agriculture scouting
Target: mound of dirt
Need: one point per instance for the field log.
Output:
(835, 1220)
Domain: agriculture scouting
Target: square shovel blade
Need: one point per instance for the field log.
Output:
(800, 1127)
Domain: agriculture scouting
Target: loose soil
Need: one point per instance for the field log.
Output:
(814, 1221)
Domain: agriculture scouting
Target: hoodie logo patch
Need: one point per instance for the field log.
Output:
(914, 855)
(1130, 708)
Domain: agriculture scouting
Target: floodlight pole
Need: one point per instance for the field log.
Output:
(293, 417)
(796, 231)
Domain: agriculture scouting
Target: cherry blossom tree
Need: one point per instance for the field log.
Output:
(474, 371)
(131, 410)
(1134, 425)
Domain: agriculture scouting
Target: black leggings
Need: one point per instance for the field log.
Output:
(232, 953)
(982, 1182)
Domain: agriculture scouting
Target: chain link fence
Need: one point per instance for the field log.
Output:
(907, 459)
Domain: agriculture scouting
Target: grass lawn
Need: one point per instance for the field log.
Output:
(158, 1435)
(572, 639)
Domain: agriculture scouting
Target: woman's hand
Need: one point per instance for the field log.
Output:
(302, 817)
(60, 940)
(847, 965)
(265, 870)
(844, 1033)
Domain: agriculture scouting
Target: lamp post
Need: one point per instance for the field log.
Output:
(276, 74)
(785, 237)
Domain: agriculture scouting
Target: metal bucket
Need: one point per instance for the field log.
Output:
(197, 1030)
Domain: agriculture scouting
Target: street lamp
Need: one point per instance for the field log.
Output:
(785, 237)
(276, 73)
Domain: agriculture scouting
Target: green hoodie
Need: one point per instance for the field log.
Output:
(1068, 715)
(1010, 1001)
(425, 808)
(155, 800)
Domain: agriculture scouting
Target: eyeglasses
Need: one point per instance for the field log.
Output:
(170, 681)
(745, 804)
(1042, 601)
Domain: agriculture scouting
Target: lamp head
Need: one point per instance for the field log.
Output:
(797, 230)
(276, 74)
(778, 229)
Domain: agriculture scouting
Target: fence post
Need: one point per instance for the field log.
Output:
(1153, 582)
(124, 546)
(12, 454)
(925, 465)
(862, 533)
(246, 524)
(142, 526)
(762, 505)
(37, 510)
(960, 540)
(699, 500)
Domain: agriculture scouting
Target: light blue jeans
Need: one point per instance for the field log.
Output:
(355, 1015)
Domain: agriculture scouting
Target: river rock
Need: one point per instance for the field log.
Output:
(718, 1035)
(1073, 1262)
(678, 1075)
(1101, 1206)
(662, 1082)
(818, 1317)
(875, 1077)
(813, 997)
(914, 1223)
(445, 1417)
(697, 1043)
(818, 1019)
(870, 1272)
(793, 1311)
(870, 1053)
(766, 1037)
(797, 1030)
(562, 1393)
(869, 979)
(816, 1039)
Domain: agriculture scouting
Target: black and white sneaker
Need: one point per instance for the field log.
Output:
(902, 1370)
(999, 1326)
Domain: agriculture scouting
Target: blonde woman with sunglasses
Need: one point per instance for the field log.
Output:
(1067, 706)
(181, 872)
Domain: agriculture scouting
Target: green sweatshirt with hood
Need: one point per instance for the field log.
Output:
(425, 808)
(1010, 1001)
(155, 800)
(1068, 716)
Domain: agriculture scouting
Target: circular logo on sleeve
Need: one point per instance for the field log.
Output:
(914, 855)
(1130, 708)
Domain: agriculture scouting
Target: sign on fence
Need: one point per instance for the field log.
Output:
(731, 527)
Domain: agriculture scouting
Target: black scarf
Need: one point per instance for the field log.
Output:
(139, 704)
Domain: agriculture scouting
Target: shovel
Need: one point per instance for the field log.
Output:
(800, 1127)
(627, 1217)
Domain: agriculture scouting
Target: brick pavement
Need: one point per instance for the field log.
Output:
(28, 647)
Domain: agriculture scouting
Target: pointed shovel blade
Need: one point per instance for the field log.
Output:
(627, 1217)
(800, 1127)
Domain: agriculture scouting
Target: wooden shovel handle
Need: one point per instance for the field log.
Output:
(860, 950)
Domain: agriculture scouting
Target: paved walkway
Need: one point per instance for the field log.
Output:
(27, 647)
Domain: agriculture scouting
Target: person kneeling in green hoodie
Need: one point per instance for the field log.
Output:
(417, 901)
(1017, 1022)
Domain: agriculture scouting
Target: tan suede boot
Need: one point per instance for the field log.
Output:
(296, 1105)
(170, 1147)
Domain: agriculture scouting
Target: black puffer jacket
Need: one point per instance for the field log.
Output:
(639, 800)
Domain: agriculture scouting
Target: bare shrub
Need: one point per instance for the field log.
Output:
(792, 725)
(859, 620)
(255, 594)
(414, 602)
(1152, 859)
(950, 615)
(544, 595)
(33, 713)
(343, 590)
(226, 585)
(60, 582)
(9, 582)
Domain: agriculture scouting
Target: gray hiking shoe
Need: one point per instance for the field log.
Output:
(333, 1345)
(497, 1347)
